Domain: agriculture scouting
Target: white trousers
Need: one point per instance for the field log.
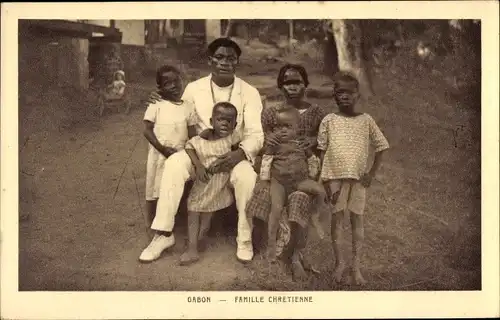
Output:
(176, 174)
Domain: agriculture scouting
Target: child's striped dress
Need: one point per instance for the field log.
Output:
(216, 194)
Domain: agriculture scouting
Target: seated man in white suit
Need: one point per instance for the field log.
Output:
(204, 93)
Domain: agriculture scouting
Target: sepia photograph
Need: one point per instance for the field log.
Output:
(249, 155)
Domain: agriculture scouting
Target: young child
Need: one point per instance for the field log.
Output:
(286, 166)
(168, 124)
(344, 139)
(116, 89)
(210, 190)
(118, 85)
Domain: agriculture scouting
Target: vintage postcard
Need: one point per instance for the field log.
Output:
(249, 160)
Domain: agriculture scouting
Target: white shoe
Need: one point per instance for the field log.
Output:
(154, 250)
(244, 253)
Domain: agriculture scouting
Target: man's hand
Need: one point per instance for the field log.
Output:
(168, 151)
(227, 162)
(202, 174)
(272, 140)
(205, 134)
(153, 98)
(366, 179)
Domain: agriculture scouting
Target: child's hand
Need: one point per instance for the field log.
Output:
(308, 143)
(168, 151)
(366, 180)
(271, 150)
(272, 139)
(212, 169)
(205, 134)
(202, 174)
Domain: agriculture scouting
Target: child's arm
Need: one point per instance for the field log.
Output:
(366, 179)
(122, 86)
(321, 160)
(191, 132)
(194, 157)
(153, 140)
(270, 150)
(376, 163)
(322, 146)
(201, 172)
(192, 118)
(326, 184)
(380, 143)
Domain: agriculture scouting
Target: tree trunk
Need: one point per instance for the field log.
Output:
(229, 26)
(347, 35)
(290, 33)
(153, 31)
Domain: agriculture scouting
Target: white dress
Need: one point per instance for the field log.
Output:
(171, 123)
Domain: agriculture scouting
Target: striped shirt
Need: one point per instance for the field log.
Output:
(216, 194)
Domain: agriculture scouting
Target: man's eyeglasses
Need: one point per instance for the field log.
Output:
(229, 59)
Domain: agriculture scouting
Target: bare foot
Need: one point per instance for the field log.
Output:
(189, 257)
(299, 274)
(339, 271)
(202, 244)
(357, 277)
(308, 265)
(271, 255)
(317, 225)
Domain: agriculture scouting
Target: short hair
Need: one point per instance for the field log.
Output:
(224, 105)
(289, 66)
(223, 42)
(345, 79)
(164, 69)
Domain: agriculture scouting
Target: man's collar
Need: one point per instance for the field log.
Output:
(236, 80)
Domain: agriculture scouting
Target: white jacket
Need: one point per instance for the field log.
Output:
(245, 98)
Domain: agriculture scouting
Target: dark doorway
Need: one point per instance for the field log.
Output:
(194, 40)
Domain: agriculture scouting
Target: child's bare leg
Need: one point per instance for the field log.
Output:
(277, 203)
(205, 221)
(297, 244)
(358, 235)
(314, 188)
(191, 254)
(337, 221)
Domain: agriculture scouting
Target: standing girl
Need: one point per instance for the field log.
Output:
(168, 124)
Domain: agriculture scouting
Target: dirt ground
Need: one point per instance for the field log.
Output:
(82, 198)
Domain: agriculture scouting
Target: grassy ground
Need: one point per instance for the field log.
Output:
(82, 191)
